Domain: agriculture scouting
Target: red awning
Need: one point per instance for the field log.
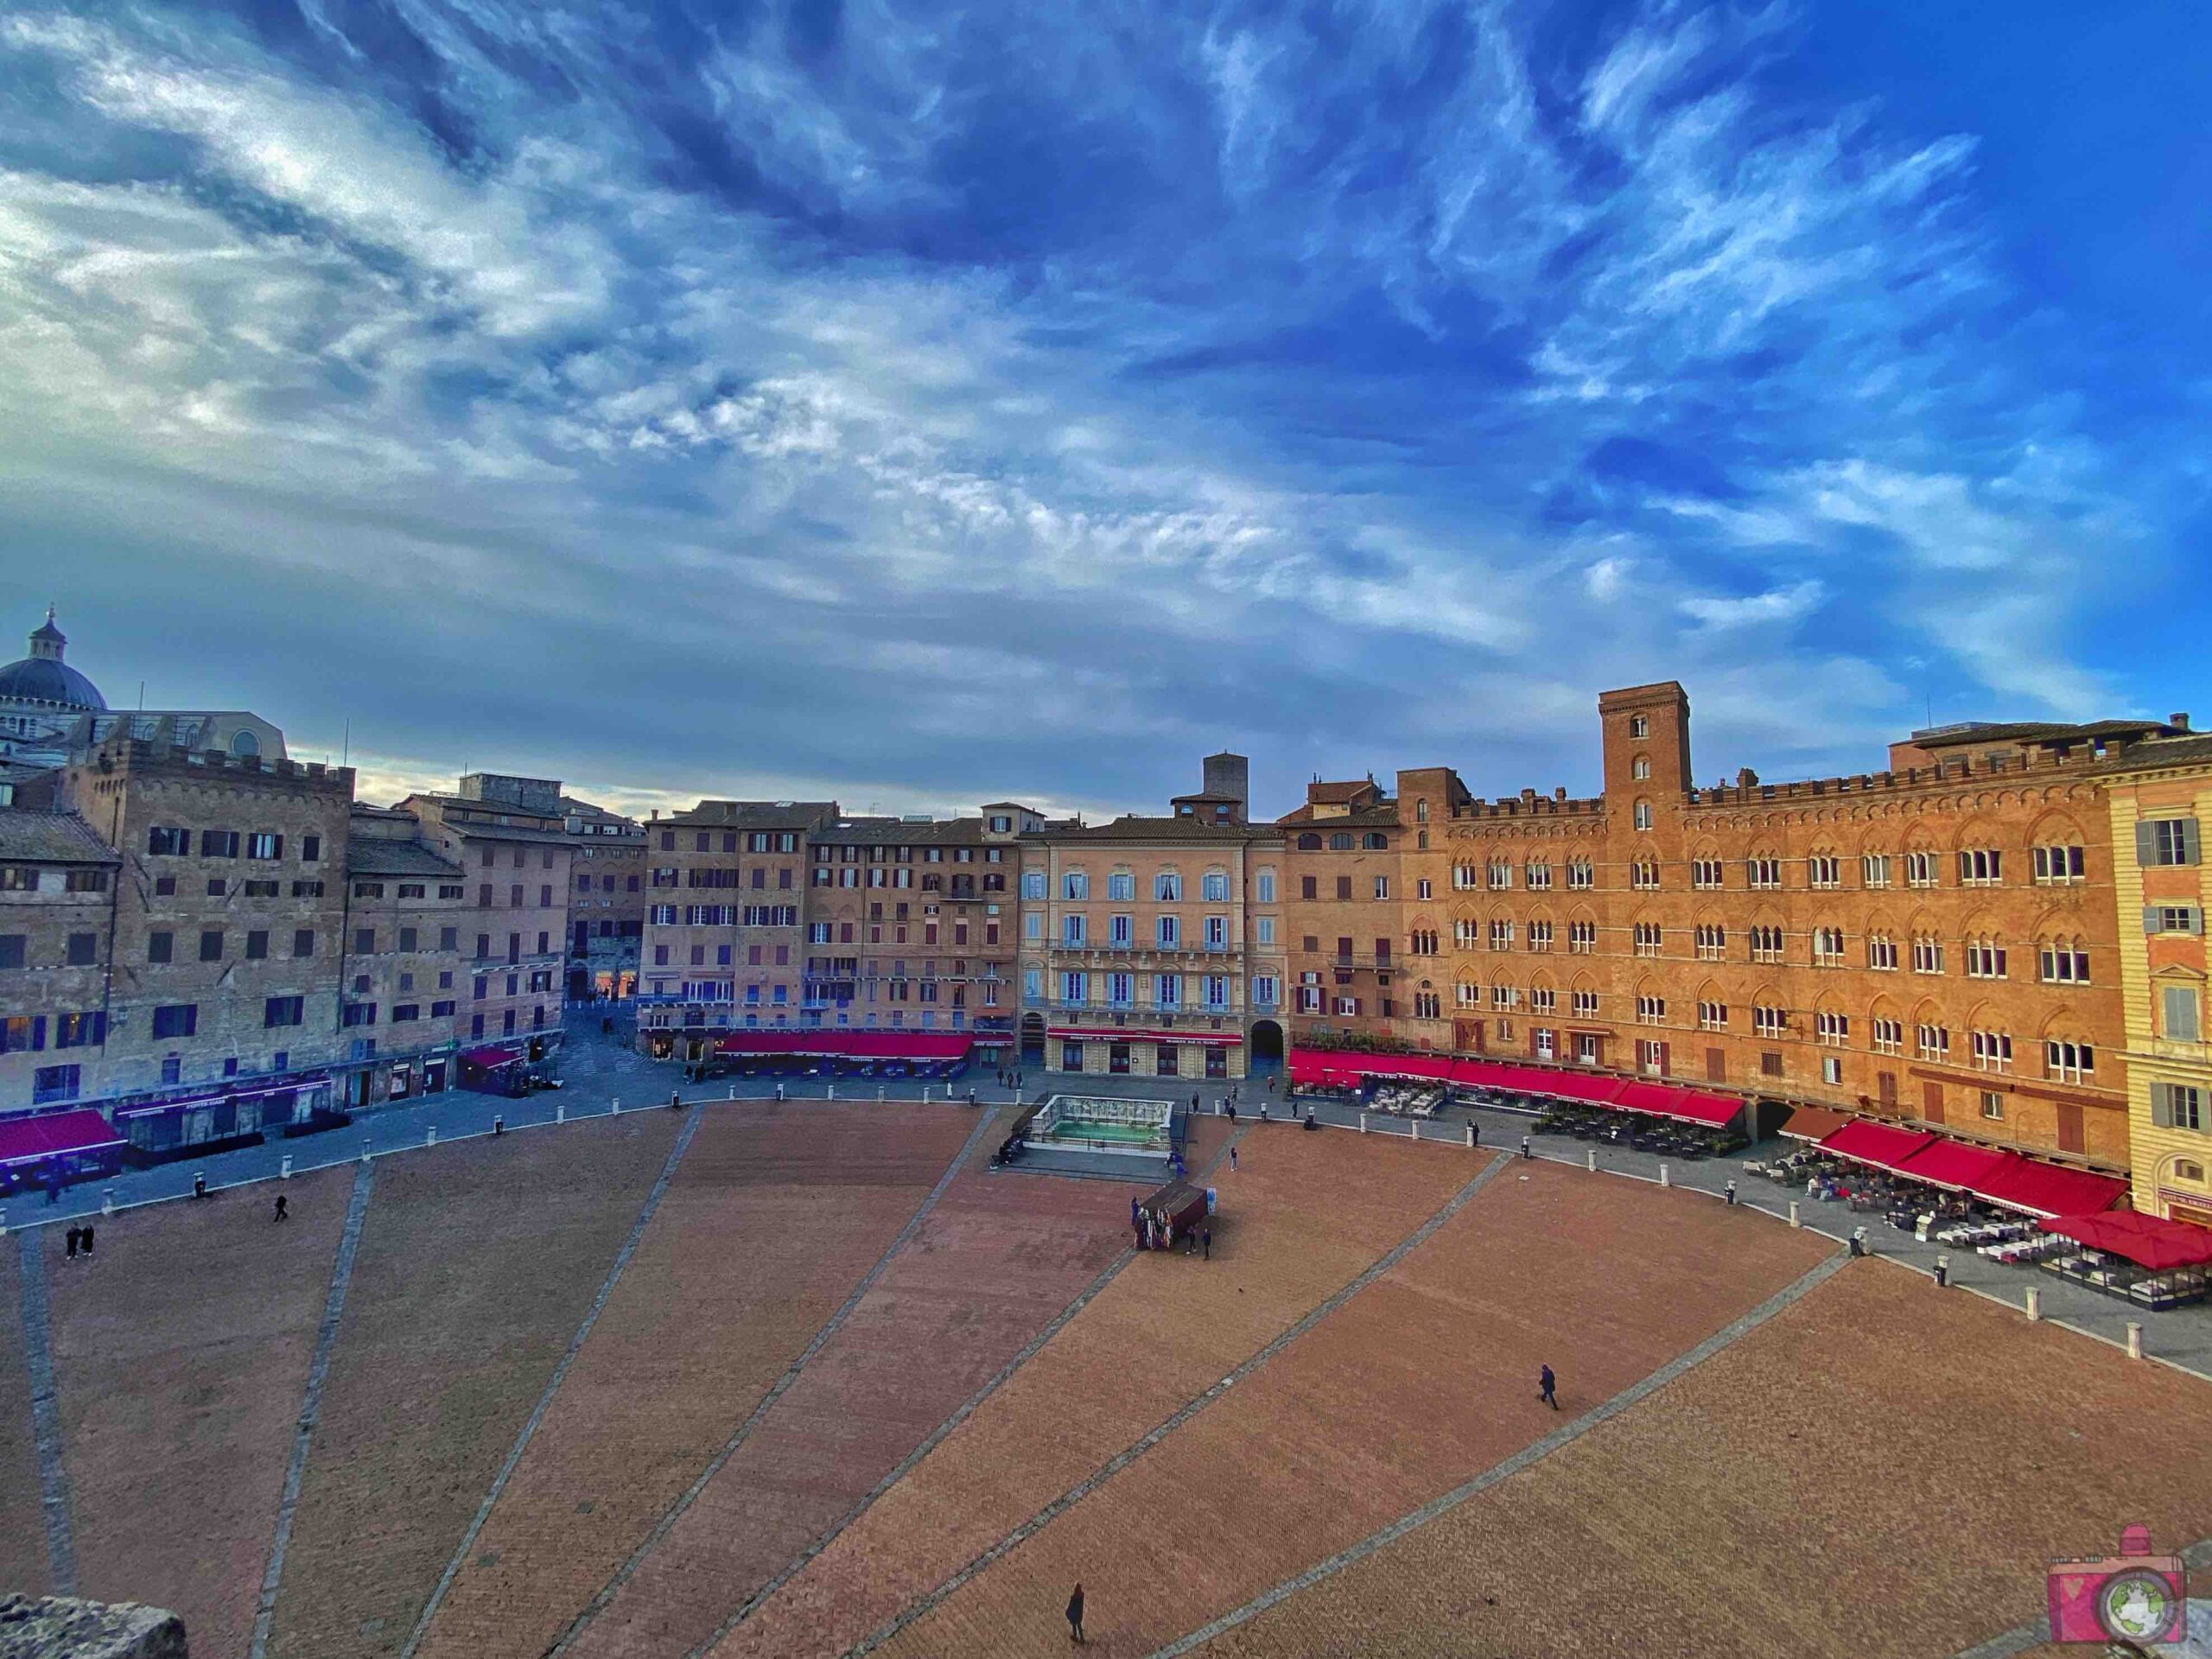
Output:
(490, 1055)
(31, 1140)
(1883, 1145)
(813, 1044)
(2147, 1241)
(1118, 1035)
(1813, 1122)
(1955, 1165)
(2050, 1190)
(1671, 1100)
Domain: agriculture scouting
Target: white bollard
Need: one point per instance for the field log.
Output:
(285, 1167)
(1416, 1129)
(560, 1111)
(430, 1135)
(878, 1091)
(732, 1091)
(1793, 1222)
(2134, 1339)
(3, 1223)
(364, 1148)
(833, 1091)
(2034, 1305)
(1362, 1123)
(107, 1201)
(615, 1106)
(1471, 1135)
(1664, 1179)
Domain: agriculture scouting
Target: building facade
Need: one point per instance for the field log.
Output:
(2160, 795)
(607, 914)
(222, 1009)
(57, 914)
(406, 971)
(1934, 942)
(510, 836)
(1153, 946)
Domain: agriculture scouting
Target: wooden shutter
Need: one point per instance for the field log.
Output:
(2146, 845)
(1931, 1101)
(2070, 1135)
(2150, 917)
(1716, 1065)
(2191, 849)
(2162, 1105)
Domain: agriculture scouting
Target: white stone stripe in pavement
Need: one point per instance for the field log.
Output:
(553, 1385)
(326, 1339)
(1512, 1465)
(46, 1421)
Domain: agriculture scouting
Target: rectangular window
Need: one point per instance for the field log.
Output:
(1763, 872)
(1980, 867)
(1832, 1030)
(211, 945)
(2058, 862)
(53, 1083)
(282, 1011)
(1583, 1005)
(1824, 870)
(160, 947)
(1889, 1036)
(176, 1019)
(1712, 1016)
(2177, 1106)
(265, 844)
(168, 842)
(1992, 1050)
(2167, 840)
(79, 1029)
(257, 945)
(1874, 870)
(219, 843)
(1582, 938)
(1920, 869)
(23, 1034)
(2070, 1061)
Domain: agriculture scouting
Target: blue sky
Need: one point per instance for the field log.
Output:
(930, 404)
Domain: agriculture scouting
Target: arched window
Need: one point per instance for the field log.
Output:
(1640, 766)
(1642, 815)
(243, 743)
(1309, 842)
(1341, 842)
(1375, 842)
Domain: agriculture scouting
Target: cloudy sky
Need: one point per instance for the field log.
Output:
(928, 405)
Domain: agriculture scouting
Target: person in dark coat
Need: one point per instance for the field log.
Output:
(75, 1233)
(1232, 1114)
(284, 1207)
(1549, 1384)
(1206, 1238)
(86, 1242)
(1075, 1615)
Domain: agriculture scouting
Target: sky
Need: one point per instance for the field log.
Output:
(926, 405)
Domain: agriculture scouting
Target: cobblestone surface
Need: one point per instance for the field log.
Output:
(998, 1257)
(1883, 1469)
(475, 1266)
(22, 1521)
(1423, 1380)
(774, 1215)
(1298, 1219)
(181, 1351)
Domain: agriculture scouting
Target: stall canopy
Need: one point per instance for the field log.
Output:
(2049, 1190)
(1954, 1164)
(489, 1056)
(1812, 1123)
(2145, 1240)
(1331, 1068)
(1881, 1145)
(32, 1140)
(849, 1045)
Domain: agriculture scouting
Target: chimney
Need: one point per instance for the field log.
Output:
(2180, 719)
(1746, 779)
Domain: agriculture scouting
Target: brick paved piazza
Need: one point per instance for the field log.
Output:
(756, 1379)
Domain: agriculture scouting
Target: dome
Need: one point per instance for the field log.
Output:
(43, 677)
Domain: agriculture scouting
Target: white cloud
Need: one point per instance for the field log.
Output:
(1777, 605)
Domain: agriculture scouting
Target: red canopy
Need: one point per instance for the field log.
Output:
(1882, 1145)
(490, 1055)
(2145, 1240)
(2051, 1190)
(1346, 1069)
(31, 1139)
(849, 1045)
(1955, 1165)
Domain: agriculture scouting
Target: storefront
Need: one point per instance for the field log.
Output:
(1113, 1052)
(212, 1120)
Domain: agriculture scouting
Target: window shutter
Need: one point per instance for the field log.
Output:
(2162, 1105)
(2195, 920)
(2190, 850)
(2151, 914)
(2146, 846)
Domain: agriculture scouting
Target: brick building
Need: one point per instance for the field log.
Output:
(607, 914)
(222, 1010)
(1153, 946)
(405, 968)
(510, 836)
(1934, 942)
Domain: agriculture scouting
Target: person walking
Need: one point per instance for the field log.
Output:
(75, 1233)
(84, 1244)
(1232, 1114)
(1205, 1239)
(284, 1207)
(1549, 1384)
(1232, 1156)
(1075, 1616)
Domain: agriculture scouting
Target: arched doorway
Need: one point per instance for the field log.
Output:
(1263, 1050)
(1033, 1041)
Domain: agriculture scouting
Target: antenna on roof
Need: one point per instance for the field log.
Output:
(142, 685)
(346, 744)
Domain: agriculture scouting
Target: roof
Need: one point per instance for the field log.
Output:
(755, 815)
(1338, 794)
(896, 831)
(29, 837)
(2160, 752)
(1374, 817)
(391, 855)
(478, 820)
(575, 808)
(2032, 731)
(43, 679)
(1190, 830)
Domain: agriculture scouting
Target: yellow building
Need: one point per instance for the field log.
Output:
(2161, 798)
